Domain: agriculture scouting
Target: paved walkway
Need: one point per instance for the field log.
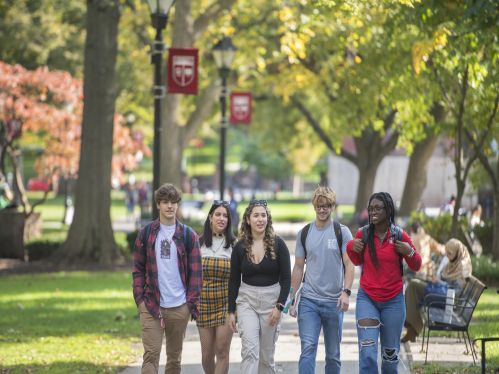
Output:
(287, 347)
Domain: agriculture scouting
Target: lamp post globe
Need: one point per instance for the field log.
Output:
(223, 54)
(159, 12)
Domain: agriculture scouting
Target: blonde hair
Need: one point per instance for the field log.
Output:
(324, 196)
(245, 234)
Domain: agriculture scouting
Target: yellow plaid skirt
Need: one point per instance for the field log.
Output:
(214, 299)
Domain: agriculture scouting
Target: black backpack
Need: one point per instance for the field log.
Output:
(396, 233)
(339, 238)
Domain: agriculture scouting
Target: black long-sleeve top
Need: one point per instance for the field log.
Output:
(266, 273)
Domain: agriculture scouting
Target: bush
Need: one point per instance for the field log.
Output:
(485, 234)
(485, 269)
(440, 227)
(131, 238)
(42, 249)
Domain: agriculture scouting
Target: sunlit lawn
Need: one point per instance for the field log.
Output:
(67, 322)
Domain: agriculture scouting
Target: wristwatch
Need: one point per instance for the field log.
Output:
(348, 292)
(279, 307)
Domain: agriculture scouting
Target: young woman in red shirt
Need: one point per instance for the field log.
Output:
(380, 310)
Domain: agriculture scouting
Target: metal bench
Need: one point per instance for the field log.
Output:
(485, 340)
(458, 315)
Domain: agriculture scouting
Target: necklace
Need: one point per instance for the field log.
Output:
(222, 242)
(381, 237)
(215, 235)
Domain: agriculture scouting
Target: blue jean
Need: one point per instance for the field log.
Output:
(391, 315)
(312, 315)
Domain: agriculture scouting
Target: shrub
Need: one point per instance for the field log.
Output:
(485, 234)
(42, 249)
(130, 238)
(440, 227)
(485, 269)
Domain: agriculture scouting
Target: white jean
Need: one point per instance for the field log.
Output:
(258, 338)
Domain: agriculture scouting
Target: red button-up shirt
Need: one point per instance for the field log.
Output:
(145, 270)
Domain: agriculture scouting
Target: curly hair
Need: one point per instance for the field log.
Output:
(167, 192)
(324, 196)
(246, 235)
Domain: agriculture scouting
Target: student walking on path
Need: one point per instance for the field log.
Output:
(215, 333)
(380, 310)
(327, 285)
(262, 259)
(167, 281)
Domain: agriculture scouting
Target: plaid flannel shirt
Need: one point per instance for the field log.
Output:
(145, 270)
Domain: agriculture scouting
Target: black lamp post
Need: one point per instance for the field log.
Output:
(223, 53)
(159, 16)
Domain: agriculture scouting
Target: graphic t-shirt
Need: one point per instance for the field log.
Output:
(324, 270)
(171, 289)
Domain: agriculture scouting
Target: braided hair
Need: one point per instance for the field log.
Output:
(390, 213)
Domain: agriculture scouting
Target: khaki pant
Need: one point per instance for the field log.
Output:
(175, 320)
(413, 295)
(254, 305)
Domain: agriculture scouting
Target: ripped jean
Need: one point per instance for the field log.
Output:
(391, 315)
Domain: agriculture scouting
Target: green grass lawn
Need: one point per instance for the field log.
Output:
(68, 322)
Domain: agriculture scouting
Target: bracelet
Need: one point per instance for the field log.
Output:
(230, 312)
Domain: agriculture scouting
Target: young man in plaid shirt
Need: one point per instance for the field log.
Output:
(167, 281)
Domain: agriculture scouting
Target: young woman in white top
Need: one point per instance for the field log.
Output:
(215, 333)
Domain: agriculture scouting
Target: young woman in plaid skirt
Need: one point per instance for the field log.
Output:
(216, 249)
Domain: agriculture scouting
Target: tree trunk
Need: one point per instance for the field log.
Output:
(91, 235)
(495, 240)
(455, 217)
(415, 182)
(175, 137)
(365, 188)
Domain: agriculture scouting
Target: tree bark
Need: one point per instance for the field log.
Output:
(91, 237)
(415, 182)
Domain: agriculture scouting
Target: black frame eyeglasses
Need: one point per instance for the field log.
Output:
(256, 202)
(221, 202)
(378, 209)
(322, 207)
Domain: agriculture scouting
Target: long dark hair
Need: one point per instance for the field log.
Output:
(390, 214)
(206, 236)
(246, 235)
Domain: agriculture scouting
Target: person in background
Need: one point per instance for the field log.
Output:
(215, 333)
(233, 209)
(130, 200)
(426, 246)
(262, 258)
(6, 194)
(454, 276)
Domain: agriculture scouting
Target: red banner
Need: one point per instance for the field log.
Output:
(240, 107)
(183, 71)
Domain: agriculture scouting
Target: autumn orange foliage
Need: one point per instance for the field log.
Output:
(50, 104)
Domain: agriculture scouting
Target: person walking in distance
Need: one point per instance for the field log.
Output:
(215, 333)
(326, 286)
(167, 281)
(380, 312)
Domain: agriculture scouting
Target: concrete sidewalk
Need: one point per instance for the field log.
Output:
(287, 347)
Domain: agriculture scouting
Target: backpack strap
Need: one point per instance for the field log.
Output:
(339, 240)
(145, 235)
(304, 233)
(187, 239)
(303, 238)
